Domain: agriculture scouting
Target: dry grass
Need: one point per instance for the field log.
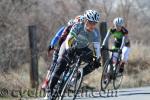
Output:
(136, 72)
(20, 79)
(137, 80)
(15, 79)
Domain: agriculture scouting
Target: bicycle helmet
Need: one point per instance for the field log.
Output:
(92, 15)
(119, 21)
(70, 22)
(79, 18)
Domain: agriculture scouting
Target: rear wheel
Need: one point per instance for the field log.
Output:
(55, 95)
(117, 77)
(57, 90)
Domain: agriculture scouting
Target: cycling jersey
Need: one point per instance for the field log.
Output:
(57, 36)
(82, 38)
(60, 36)
(64, 34)
(118, 37)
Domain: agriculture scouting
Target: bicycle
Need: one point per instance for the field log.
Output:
(72, 70)
(72, 73)
(76, 74)
(111, 72)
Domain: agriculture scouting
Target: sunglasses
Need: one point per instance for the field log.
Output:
(92, 22)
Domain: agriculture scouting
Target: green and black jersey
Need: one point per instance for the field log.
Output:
(117, 35)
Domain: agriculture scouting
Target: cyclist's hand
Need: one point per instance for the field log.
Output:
(97, 63)
(49, 49)
(70, 51)
(103, 47)
(119, 51)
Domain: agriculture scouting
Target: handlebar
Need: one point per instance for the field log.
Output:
(85, 53)
(111, 50)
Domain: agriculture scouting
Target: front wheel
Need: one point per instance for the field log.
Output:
(105, 78)
(72, 85)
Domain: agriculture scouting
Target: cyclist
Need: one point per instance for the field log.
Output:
(59, 38)
(81, 34)
(121, 41)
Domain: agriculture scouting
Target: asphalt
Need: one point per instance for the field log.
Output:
(142, 93)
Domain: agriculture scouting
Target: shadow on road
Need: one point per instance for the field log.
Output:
(130, 94)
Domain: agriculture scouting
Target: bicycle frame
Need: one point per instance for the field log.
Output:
(110, 71)
(74, 69)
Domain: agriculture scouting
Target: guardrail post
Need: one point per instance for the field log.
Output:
(34, 57)
(103, 31)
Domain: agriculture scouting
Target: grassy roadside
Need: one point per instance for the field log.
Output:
(136, 72)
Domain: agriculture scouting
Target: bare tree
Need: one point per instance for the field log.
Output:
(124, 9)
(107, 8)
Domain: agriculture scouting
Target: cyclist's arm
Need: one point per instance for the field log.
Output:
(64, 34)
(124, 38)
(96, 43)
(69, 39)
(106, 37)
(123, 42)
(97, 49)
(56, 37)
(71, 36)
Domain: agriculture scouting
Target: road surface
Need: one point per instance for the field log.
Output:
(122, 94)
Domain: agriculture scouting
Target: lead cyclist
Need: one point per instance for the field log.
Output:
(59, 38)
(82, 34)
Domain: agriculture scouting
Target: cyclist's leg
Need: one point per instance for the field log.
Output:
(50, 69)
(60, 67)
(115, 54)
(54, 60)
(114, 57)
(89, 59)
(53, 64)
(125, 54)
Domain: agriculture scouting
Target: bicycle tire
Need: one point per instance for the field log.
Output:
(67, 84)
(115, 85)
(80, 82)
(104, 74)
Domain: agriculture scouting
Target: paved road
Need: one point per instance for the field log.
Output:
(122, 94)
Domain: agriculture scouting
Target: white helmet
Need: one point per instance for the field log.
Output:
(79, 18)
(119, 21)
(92, 15)
(70, 22)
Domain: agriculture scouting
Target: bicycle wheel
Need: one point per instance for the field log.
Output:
(117, 77)
(105, 78)
(57, 89)
(78, 81)
(55, 95)
(62, 95)
(72, 89)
